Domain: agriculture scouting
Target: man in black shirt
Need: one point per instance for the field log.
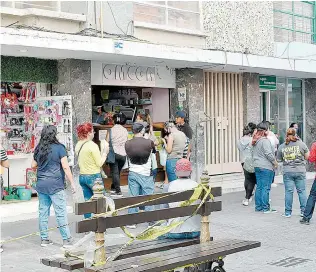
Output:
(138, 152)
(182, 125)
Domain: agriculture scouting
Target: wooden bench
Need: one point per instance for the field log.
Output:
(156, 255)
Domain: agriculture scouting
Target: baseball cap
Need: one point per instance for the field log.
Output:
(183, 168)
(138, 126)
(180, 114)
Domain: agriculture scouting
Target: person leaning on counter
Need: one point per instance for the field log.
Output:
(99, 116)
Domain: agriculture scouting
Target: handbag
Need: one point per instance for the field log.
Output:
(163, 156)
(111, 156)
(248, 164)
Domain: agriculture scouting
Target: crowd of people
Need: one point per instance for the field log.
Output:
(260, 157)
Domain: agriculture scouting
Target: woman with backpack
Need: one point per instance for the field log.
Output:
(245, 148)
(90, 159)
(264, 163)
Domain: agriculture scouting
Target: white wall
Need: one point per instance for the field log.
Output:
(160, 105)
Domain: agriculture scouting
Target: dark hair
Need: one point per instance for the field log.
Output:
(293, 124)
(147, 129)
(42, 150)
(119, 118)
(252, 126)
(263, 125)
(246, 131)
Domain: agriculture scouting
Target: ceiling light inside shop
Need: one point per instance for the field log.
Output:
(23, 50)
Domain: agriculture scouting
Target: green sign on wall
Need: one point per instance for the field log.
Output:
(267, 82)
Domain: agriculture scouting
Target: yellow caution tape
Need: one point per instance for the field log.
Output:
(155, 231)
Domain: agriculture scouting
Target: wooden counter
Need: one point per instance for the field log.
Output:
(124, 174)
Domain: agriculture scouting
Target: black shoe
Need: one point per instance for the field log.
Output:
(117, 194)
(304, 221)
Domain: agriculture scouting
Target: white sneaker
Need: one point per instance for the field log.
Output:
(131, 226)
(245, 202)
(250, 199)
(286, 215)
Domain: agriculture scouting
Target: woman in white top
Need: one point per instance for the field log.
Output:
(119, 136)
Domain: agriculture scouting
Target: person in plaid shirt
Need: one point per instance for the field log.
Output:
(310, 205)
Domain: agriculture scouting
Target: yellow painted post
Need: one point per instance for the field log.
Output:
(99, 254)
(205, 224)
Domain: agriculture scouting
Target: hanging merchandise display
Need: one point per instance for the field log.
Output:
(15, 116)
(57, 111)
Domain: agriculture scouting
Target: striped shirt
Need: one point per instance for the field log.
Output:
(3, 157)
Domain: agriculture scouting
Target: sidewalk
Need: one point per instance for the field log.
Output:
(11, 212)
(287, 246)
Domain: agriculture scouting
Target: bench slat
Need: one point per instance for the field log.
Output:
(101, 224)
(92, 206)
(136, 249)
(162, 261)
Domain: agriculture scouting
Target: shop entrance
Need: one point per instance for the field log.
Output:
(283, 106)
(223, 106)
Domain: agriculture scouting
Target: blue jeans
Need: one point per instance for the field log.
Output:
(140, 185)
(86, 183)
(310, 205)
(171, 169)
(183, 235)
(298, 180)
(59, 203)
(154, 173)
(264, 179)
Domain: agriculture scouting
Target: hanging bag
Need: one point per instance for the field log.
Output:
(248, 164)
(111, 156)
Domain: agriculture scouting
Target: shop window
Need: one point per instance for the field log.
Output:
(174, 14)
(75, 7)
(295, 21)
(295, 102)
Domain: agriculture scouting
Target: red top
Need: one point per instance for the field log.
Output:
(312, 156)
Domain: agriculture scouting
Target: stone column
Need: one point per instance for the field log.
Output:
(193, 81)
(251, 98)
(74, 78)
(310, 113)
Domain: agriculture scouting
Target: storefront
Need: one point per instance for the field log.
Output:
(26, 106)
(282, 103)
(132, 90)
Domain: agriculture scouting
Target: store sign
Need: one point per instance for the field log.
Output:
(132, 75)
(182, 94)
(267, 82)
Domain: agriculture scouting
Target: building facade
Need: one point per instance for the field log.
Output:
(236, 61)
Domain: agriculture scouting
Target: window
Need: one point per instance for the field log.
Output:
(174, 14)
(74, 7)
(295, 21)
(47, 5)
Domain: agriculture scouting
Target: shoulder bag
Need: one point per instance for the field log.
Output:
(111, 156)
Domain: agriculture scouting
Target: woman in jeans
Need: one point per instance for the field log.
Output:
(50, 159)
(310, 205)
(264, 163)
(293, 153)
(119, 136)
(175, 144)
(244, 146)
(90, 159)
